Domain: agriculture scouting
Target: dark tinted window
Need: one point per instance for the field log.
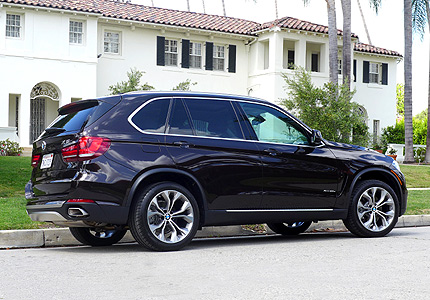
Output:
(73, 121)
(179, 121)
(152, 117)
(214, 118)
(271, 125)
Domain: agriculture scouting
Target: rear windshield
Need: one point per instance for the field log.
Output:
(77, 119)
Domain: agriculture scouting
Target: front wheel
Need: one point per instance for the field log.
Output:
(164, 217)
(373, 211)
(291, 228)
(97, 236)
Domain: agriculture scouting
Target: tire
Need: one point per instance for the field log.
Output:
(164, 217)
(97, 237)
(373, 210)
(290, 228)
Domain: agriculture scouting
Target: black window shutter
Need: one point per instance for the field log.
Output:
(232, 58)
(385, 74)
(365, 71)
(185, 53)
(354, 69)
(160, 51)
(209, 56)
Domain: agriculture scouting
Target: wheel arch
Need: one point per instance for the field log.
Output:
(381, 175)
(180, 177)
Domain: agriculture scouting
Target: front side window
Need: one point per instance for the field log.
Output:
(171, 52)
(214, 118)
(219, 58)
(76, 32)
(270, 125)
(13, 25)
(374, 69)
(111, 42)
(195, 55)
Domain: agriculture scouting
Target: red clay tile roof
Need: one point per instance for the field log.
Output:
(361, 47)
(293, 23)
(164, 16)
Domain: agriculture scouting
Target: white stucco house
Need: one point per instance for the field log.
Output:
(53, 52)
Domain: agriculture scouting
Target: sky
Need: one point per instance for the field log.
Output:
(385, 28)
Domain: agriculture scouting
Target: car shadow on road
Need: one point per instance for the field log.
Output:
(234, 241)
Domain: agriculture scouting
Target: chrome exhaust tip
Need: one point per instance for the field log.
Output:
(77, 212)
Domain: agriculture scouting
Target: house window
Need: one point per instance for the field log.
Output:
(195, 55)
(219, 58)
(171, 52)
(76, 32)
(111, 42)
(339, 66)
(374, 71)
(13, 25)
(290, 59)
(315, 62)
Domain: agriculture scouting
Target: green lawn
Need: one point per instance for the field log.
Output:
(15, 172)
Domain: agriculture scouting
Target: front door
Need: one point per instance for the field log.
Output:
(296, 175)
(37, 118)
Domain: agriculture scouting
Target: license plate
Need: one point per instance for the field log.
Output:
(47, 161)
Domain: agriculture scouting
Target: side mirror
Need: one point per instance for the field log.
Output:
(316, 137)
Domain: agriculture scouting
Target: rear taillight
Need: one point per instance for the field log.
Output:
(35, 160)
(80, 201)
(85, 149)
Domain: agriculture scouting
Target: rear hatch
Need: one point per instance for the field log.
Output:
(61, 149)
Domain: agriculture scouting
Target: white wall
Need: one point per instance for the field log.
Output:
(43, 54)
(138, 50)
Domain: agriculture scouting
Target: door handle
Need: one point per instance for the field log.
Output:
(271, 151)
(182, 144)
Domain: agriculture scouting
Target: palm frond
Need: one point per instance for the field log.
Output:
(419, 17)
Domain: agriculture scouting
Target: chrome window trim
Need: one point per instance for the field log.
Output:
(130, 117)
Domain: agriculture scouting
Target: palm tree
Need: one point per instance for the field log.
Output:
(409, 145)
(421, 18)
(346, 53)
(364, 22)
(204, 8)
(223, 7)
(188, 5)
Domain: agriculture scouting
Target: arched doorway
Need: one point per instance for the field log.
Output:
(44, 102)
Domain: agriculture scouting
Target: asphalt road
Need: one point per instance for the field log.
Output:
(332, 265)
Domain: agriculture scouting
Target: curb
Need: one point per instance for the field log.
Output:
(54, 237)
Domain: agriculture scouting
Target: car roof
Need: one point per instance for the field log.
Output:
(195, 94)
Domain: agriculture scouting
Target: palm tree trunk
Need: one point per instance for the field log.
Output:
(427, 157)
(188, 5)
(276, 9)
(223, 8)
(346, 53)
(204, 7)
(332, 41)
(364, 22)
(409, 151)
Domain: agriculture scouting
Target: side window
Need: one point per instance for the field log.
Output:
(214, 118)
(270, 125)
(152, 117)
(179, 122)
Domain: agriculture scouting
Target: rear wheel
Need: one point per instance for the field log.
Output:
(165, 217)
(97, 236)
(374, 209)
(290, 228)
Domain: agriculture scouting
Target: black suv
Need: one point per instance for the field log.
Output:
(164, 164)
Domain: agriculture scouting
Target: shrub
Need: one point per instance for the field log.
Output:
(10, 148)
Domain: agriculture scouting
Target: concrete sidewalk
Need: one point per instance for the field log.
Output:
(62, 236)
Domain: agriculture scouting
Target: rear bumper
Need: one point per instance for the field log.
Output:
(61, 212)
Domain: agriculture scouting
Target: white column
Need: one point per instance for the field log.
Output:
(24, 120)
(300, 53)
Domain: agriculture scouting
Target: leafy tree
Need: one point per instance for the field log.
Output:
(184, 85)
(400, 97)
(132, 84)
(318, 107)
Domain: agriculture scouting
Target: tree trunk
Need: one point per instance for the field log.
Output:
(427, 158)
(223, 8)
(204, 7)
(409, 151)
(364, 22)
(188, 5)
(346, 53)
(332, 41)
(276, 9)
